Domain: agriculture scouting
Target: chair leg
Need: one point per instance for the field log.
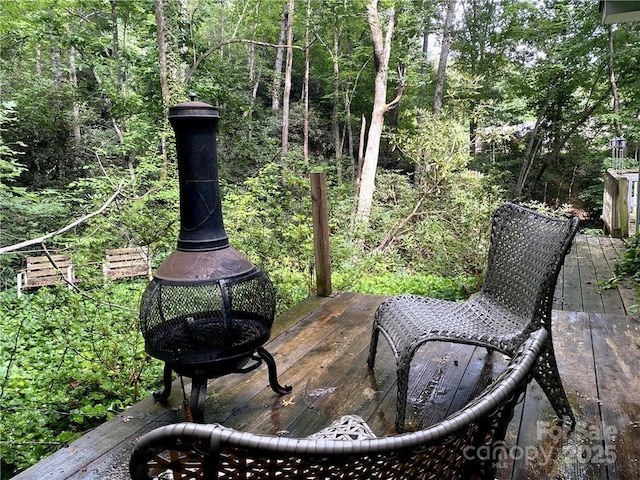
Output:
(548, 378)
(373, 347)
(402, 370)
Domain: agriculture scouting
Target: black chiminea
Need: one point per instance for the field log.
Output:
(208, 311)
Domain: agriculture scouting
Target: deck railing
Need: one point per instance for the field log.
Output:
(615, 204)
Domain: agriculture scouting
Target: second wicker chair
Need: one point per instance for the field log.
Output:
(526, 253)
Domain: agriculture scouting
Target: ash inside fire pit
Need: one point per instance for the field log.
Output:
(197, 338)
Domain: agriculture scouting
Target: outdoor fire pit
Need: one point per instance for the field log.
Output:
(208, 310)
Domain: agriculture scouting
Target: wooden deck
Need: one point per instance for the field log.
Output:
(321, 345)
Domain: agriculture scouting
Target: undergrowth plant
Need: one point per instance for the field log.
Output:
(629, 266)
(629, 263)
(69, 361)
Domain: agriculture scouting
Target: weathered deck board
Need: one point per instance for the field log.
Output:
(591, 292)
(321, 345)
(616, 342)
(587, 269)
(568, 287)
(539, 436)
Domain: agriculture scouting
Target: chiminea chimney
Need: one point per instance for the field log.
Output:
(208, 310)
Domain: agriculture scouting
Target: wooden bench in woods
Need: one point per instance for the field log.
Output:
(127, 262)
(41, 272)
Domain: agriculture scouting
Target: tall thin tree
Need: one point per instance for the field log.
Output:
(444, 56)
(277, 70)
(613, 83)
(381, 53)
(287, 81)
(305, 92)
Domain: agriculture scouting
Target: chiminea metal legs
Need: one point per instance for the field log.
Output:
(201, 374)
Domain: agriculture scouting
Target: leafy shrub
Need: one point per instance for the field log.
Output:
(629, 264)
(69, 362)
(419, 284)
(268, 219)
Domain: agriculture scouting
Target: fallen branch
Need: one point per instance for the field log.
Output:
(392, 235)
(27, 243)
(221, 44)
(68, 281)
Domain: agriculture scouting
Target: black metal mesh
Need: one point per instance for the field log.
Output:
(205, 323)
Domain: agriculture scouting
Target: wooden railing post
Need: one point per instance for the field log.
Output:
(321, 233)
(615, 205)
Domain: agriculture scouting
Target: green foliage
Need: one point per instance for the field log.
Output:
(69, 361)
(440, 223)
(629, 264)
(419, 284)
(437, 146)
(10, 168)
(268, 220)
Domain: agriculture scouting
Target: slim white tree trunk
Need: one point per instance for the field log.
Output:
(381, 53)
(73, 76)
(335, 123)
(287, 82)
(444, 56)
(277, 73)
(305, 93)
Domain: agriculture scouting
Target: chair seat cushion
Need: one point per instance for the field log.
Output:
(348, 427)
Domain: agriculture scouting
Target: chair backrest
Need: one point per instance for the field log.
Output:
(45, 270)
(127, 262)
(525, 256)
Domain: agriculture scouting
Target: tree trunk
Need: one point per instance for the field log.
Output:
(358, 170)
(530, 151)
(119, 124)
(397, 93)
(305, 88)
(381, 53)
(254, 73)
(168, 13)
(165, 94)
(423, 90)
(349, 132)
(73, 75)
(38, 61)
(115, 46)
(423, 68)
(277, 71)
(161, 33)
(473, 133)
(56, 63)
(614, 86)
(335, 112)
(361, 140)
(444, 56)
(287, 82)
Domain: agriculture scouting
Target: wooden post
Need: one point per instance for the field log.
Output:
(321, 233)
(615, 203)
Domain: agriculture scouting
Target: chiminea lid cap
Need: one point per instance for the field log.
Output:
(193, 108)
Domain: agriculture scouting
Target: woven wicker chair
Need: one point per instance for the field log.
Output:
(347, 449)
(526, 252)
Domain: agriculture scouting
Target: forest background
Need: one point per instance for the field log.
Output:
(424, 114)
